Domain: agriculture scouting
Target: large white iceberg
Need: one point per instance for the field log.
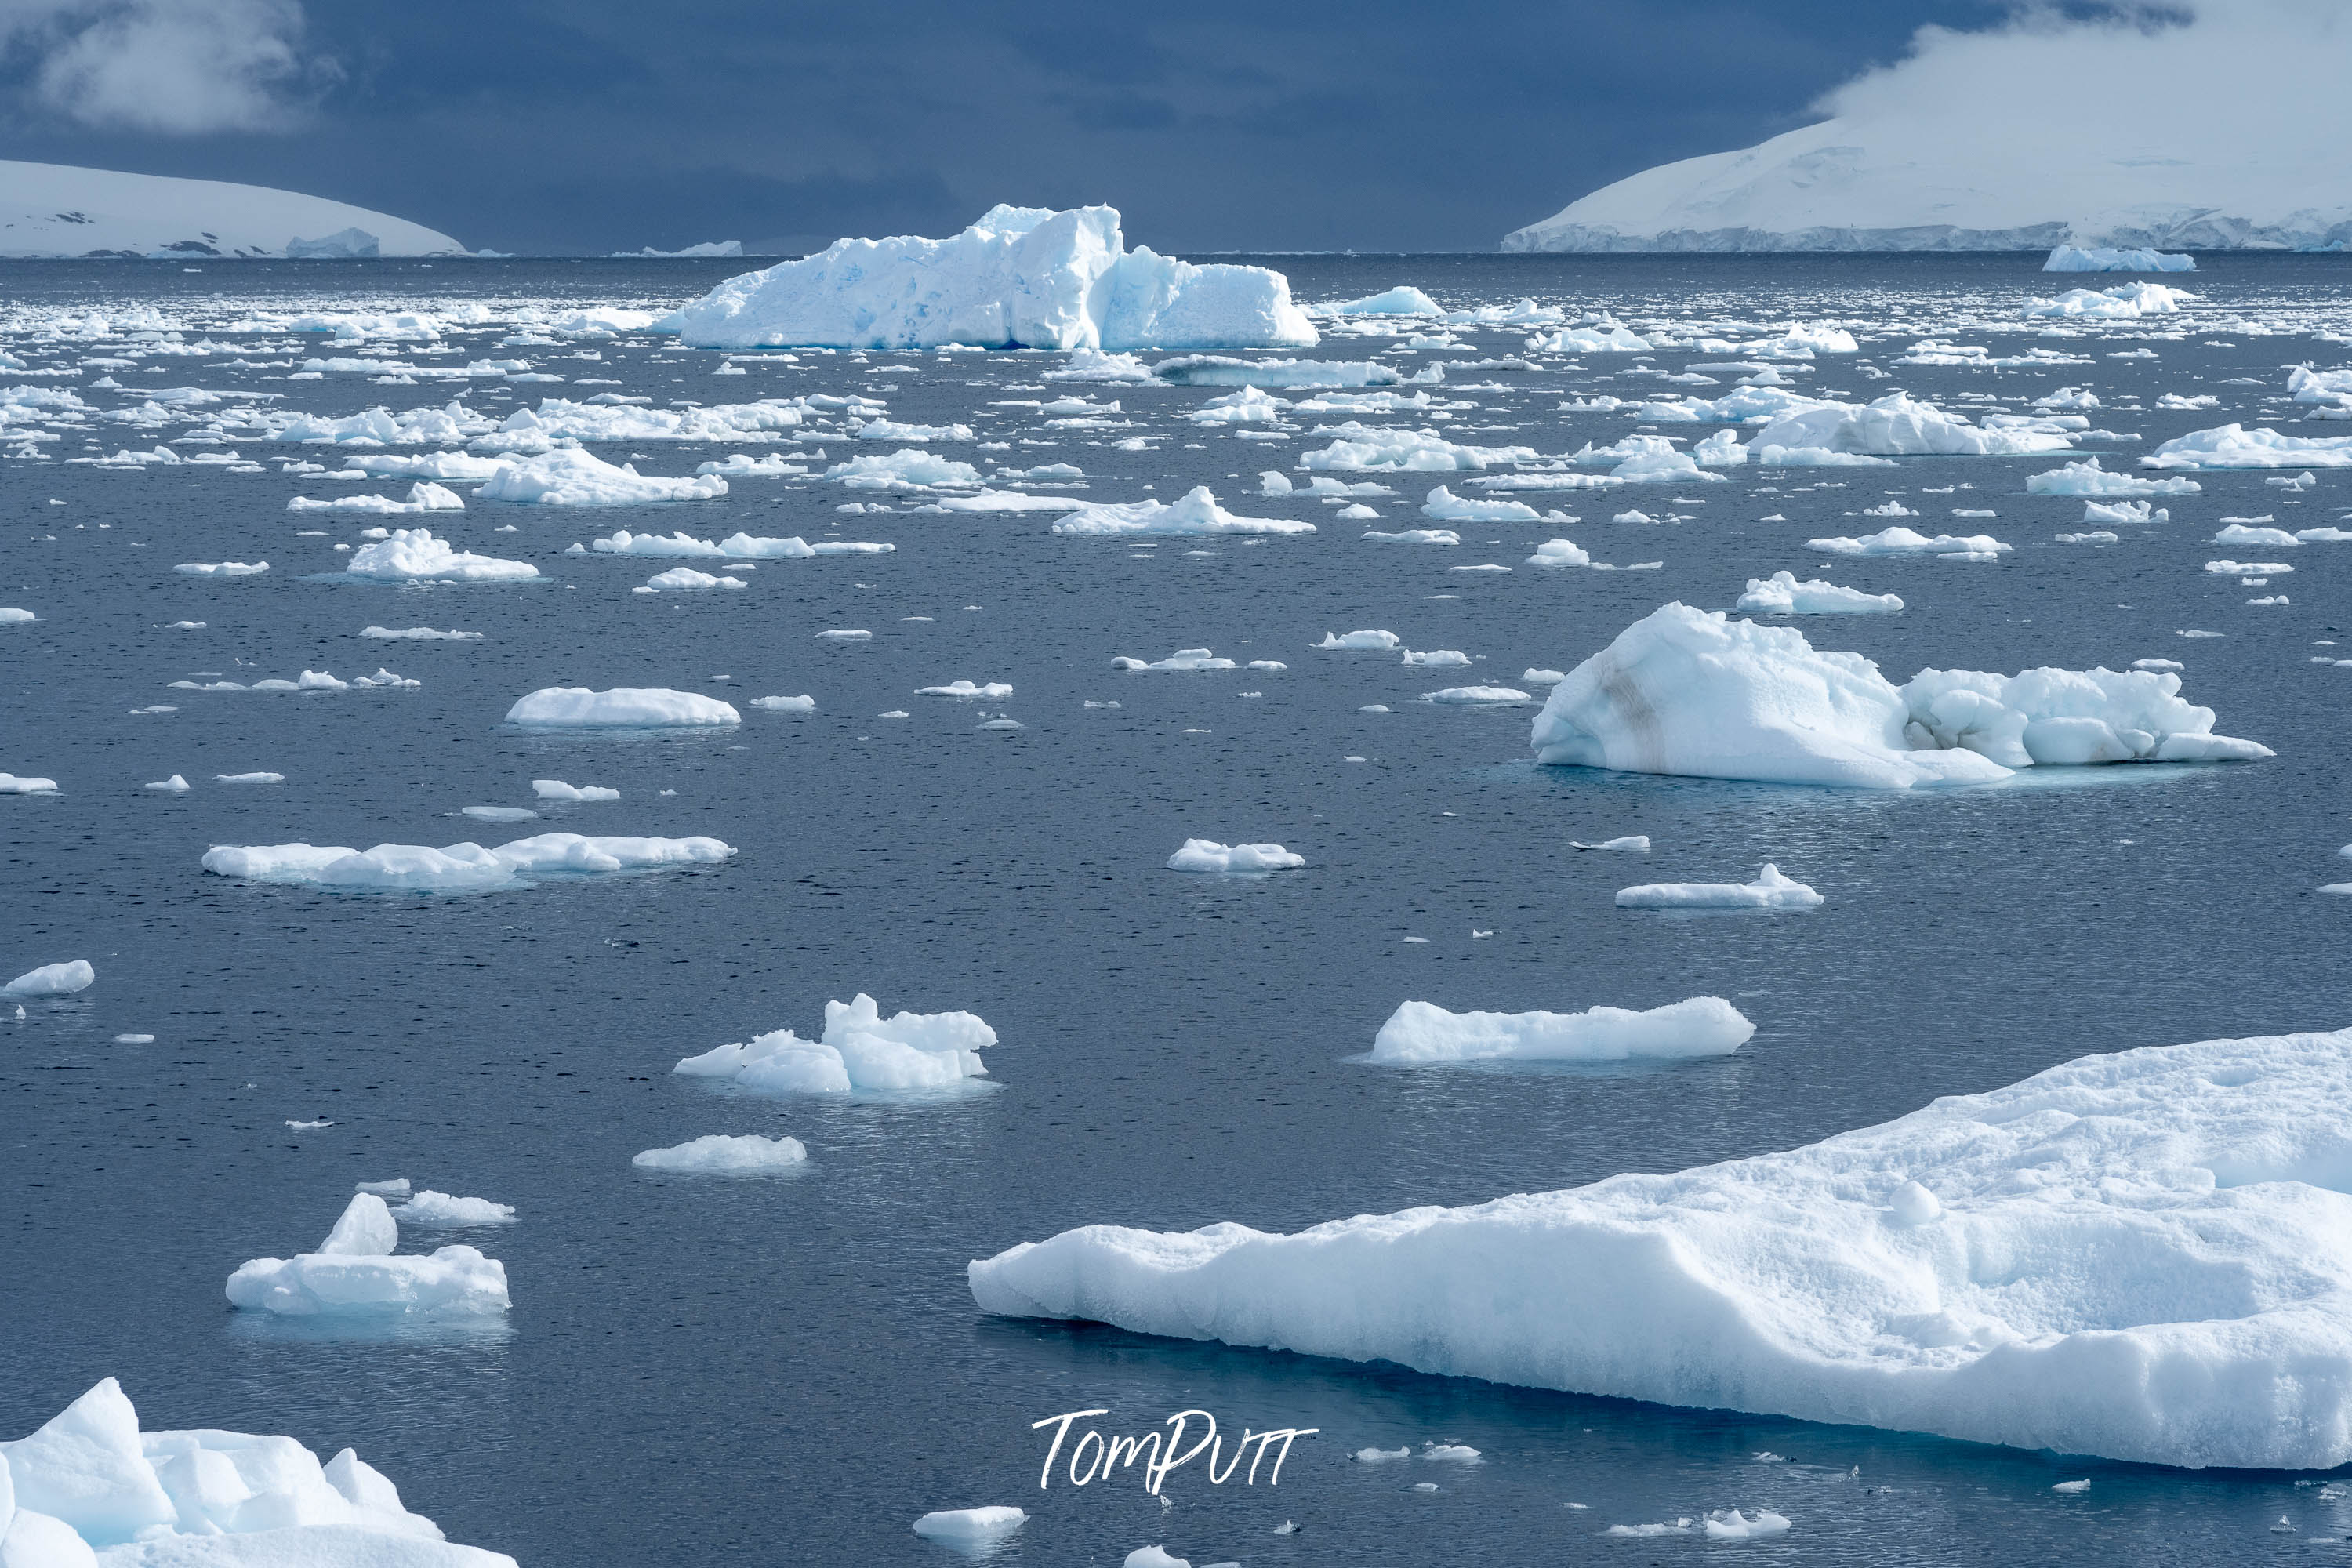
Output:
(1698, 693)
(2146, 1255)
(1019, 278)
(457, 867)
(622, 708)
(90, 1488)
(860, 1049)
(1419, 1032)
(355, 1272)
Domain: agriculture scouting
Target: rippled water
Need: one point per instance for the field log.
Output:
(792, 1369)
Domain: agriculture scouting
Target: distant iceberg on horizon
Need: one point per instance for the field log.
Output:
(2223, 132)
(60, 210)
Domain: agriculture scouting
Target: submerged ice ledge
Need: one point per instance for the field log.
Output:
(2146, 1255)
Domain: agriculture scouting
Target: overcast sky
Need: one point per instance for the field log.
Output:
(594, 125)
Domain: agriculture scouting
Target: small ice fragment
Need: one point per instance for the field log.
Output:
(2071, 1488)
(175, 784)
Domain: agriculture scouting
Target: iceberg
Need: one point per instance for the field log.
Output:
(354, 1271)
(429, 1207)
(860, 1050)
(2087, 479)
(2234, 446)
(1421, 1033)
(1770, 890)
(1901, 540)
(1696, 693)
(2174, 1283)
(570, 477)
(2025, 136)
(2125, 301)
(685, 580)
(1362, 446)
(1444, 506)
(1019, 278)
(1196, 511)
(90, 1488)
(1782, 595)
(458, 868)
(556, 789)
(1401, 300)
(1896, 425)
(622, 708)
(717, 1152)
(412, 554)
(53, 979)
(1206, 855)
(2074, 259)
(423, 496)
(970, 1524)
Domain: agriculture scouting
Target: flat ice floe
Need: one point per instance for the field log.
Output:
(419, 633)
(718, 1153)
(354, 1272)
(734, 547)
(2087, 479)
(1698, 693)
(685, 580)
(1207, 855)
(1896, 426)
(89, 1488)
(2123, 303)
(1900, 541)
(967, 1524)
(423, 496)
(75, 975)
(622, 708)
(1363, 448)
(1419, 1032)
(556, 789)
(570, 477)
(221, 568)
(1183, 659)
(860, 1050)
(1019, 278)
(1474, 696)
(2234, 446)
(1195, 512)
(2173, 1284)
(457, 867)
(432, 1208)
(1782, 595)
(1770, 890)
(413, 555)
(23, 783)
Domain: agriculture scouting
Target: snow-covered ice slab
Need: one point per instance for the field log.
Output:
(1896, 425)
(1782, 595)
(1207, 855)
(458, 868)
(2087, 479)
(1770, 890)
(413, 555)
(2123, 303)
(1900, 541)
(860, 1049)
(1698, 693)
(2234, 446)
(622, 708)
(720, 1153)
(90, 1488)
(1401, 300)
(1196, 511)
(75, 975)
(570, 477)
(1019, 278)
(2146, 1255)
(1421, 1033)
(354, 1271)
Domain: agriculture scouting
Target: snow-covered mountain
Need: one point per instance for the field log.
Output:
(55, 209)
(2225, 131)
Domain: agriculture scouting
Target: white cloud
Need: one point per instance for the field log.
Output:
(178, 67)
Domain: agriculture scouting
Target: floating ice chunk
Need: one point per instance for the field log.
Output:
(569, 476)
(353, 1271)
(221, 568)
(2087, 479)
(1733, 1525)
(423, 496)
(2123, 511)
(1637, 842)
(83, 1473)
(419, 633)
(908, 470)
(1361, 447)
(1452, 1453)
(2095, 536)
(1647, 1532)
(430, 1208)
(891, 430)
(860, 1050)
(1250, 405)
(628, 708)
(743, 466)
(2248, 568)
(2204, 1175)
(1401, 300)
(1196, 512)
(413, 553)
(720, 1153)
(970, 1523)
(1475, 695)
(2101, 258)
(1901, 540)
(1380, 1455)
(2234, 446)
(992, 689)
(1782, 595)
(1770, 891)
(2066, 717)
(461, 467)
(556, 789)
(1559, 553)
(2246, 534)
(16, 783)
(1020, 276)
(1534, 676)
(802, 704)
(397, 1188)
(9, 617)
(458, 868)
(1443, 657)
(1153, 1557)
(1896, 426)
(2125, 301)
(1379, 641)
(2072, 1489)
(175, 784)
(1183, 659)
(1206, 855)
(1445, 506)
(685, 580)
(52, 980)
(1408, 535)
(1421, 1032)
(1778, 456)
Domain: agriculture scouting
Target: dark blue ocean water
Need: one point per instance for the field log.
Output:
(792, 1370)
